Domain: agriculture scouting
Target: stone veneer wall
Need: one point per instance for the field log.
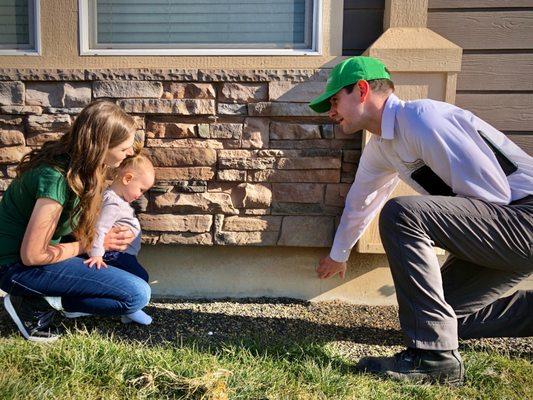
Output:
(240, 158)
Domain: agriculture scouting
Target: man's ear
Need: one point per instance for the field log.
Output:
(127, 178)
(364, 89)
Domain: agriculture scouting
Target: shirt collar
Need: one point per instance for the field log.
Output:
(389, 117)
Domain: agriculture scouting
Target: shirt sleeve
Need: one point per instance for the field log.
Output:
(452, 148)
(106, 220)
(374, 182)
(51, 184)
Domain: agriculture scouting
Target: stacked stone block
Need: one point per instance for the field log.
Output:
(240, 158)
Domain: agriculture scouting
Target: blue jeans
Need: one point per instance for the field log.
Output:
(126, 262)
(107, 291)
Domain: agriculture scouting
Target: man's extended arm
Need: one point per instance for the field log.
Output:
(374, 181)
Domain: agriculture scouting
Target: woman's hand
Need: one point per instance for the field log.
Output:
(118, 238)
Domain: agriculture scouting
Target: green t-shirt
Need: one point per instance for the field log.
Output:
(19, 200)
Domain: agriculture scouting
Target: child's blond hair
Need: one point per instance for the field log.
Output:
(139, 161)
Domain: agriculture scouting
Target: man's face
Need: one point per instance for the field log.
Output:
(347, 110)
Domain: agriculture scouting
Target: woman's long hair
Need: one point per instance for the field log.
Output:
(100, 126)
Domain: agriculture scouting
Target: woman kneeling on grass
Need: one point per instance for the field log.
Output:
(58, 192)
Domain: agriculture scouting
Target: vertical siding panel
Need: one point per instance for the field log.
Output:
(496, 81)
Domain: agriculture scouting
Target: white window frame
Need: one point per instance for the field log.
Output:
(35, 33)
(85, 50)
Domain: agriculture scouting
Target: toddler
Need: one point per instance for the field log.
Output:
(133, 177)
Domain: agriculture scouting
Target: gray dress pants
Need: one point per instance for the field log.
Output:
(491, 250)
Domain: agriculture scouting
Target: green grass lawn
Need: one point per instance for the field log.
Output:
(91, 365)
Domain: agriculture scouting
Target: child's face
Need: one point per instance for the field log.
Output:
(136, 183)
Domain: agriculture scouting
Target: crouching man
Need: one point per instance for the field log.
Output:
(476, 203)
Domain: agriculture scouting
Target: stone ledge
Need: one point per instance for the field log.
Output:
(164, 74)
(37, 74)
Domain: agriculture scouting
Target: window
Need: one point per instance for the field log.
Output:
(209, 27)
(19, 27)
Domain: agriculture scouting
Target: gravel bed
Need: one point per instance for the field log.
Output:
(349, 330)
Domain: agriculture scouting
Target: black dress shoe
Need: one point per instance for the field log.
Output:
(33, 316)
(417, 365)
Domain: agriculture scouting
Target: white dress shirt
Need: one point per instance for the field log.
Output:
(446, 139)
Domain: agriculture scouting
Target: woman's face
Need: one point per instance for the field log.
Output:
(115, 155)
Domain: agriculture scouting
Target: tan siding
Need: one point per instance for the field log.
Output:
(485, 29)
(524, 140)
(505, 72)
(458, 4)
(496, 80)
(506, 111)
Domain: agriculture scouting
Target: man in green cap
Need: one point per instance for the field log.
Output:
(476, 203)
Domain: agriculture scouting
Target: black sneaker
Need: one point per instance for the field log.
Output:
(33, 316)
(417, 365)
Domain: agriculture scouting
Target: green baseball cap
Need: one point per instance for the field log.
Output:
(346, 73)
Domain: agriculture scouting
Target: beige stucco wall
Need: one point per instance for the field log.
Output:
(60, 47)
(216, 272)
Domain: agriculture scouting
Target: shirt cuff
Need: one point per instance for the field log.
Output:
(339, 255)
(96, 252)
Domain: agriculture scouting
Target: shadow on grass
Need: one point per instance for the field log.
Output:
(274, 332)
